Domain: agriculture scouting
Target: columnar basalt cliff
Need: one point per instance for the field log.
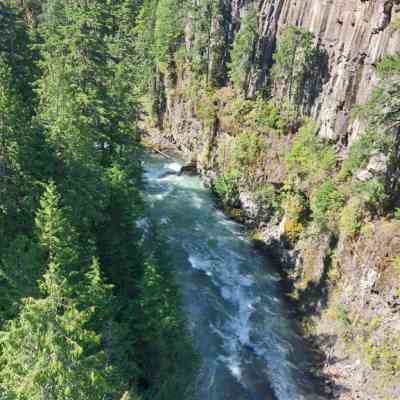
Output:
(352, 34)
(322, 195)
(355, 35)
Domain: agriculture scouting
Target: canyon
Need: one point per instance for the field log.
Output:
(345, 287)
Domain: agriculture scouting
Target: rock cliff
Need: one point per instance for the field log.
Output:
(353, 35)
(345, 284)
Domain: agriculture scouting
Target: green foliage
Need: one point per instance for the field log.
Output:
(243, 50)
(226, 186)
(372, 192)
(295, 209)
(20, 269)
(68, 207)
(268, 196)
(144, 43)
(326, 203)
(361, 151)
(292, 229)
(238, 114)
(294, 55)
(342, 315)
(384, 357)
(295, 205)
(247, 150)
(309, 160)
(352, 216)
(397, 214)
(54, 231)
(238, 164)
(264, 116)
(207, 108)
(204, 36)
(380, 113)
(48, 352)
(168, 30)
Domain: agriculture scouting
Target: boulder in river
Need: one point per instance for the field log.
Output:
(190, 169)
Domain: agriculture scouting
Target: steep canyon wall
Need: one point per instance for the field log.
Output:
(348, 284)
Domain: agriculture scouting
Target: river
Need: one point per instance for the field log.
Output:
(232, 295)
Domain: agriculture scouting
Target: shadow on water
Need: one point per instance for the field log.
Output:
(312, 301)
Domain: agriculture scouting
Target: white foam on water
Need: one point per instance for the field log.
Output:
(143, 223)
(198, 263)
(164, 220)
(174, 166)
(234, 366)
(161, 196)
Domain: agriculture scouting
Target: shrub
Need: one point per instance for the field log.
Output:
(234, 115)
(247, 150)
(309, 160)
(295, 205)
(343, 315)
(361, 151)
(258, 116)
(264, 116)
(226, 186)
(207, 107)
(372, 192)
(267, 195)
(326, 202)
(351, 217)
(292, 229)
(397, 214)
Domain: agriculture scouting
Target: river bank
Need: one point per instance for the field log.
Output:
(324, 377)
(241, 323)
(322, 290)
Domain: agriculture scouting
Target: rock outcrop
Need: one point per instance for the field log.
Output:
(352, 37)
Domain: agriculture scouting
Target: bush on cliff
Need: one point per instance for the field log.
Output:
(310, 160)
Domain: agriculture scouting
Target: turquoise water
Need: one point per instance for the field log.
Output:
(232, 295)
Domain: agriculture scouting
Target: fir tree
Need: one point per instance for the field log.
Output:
(48, 353)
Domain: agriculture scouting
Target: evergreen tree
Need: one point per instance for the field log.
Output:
(21, 266)
(75, 336)
(381, 115)
(117, 236)
(168, 30)
(55, 233)
(243, 51)
(10, 169)
(293, 58)
(48, 353)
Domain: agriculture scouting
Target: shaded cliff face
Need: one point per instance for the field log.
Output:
(355, 34)
(352, 34)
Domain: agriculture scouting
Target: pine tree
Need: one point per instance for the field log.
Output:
(169, 27)
(47, 353)
(243, 51)
(76, 107)
(381, 115)
(293, 57)
(56, 235)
